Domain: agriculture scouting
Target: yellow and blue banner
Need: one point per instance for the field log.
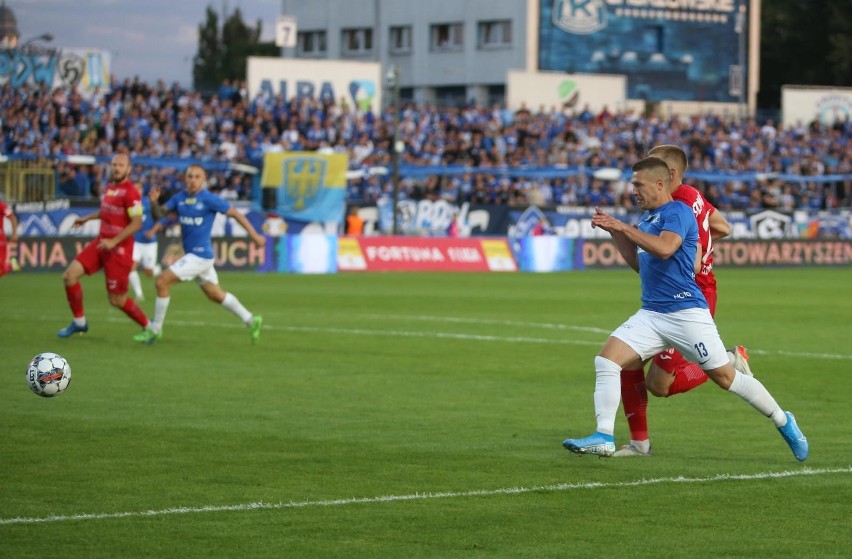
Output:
(311, 186)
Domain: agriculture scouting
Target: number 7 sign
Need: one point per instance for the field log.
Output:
(285, 32)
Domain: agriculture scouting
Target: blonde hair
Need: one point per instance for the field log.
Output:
(672, 155)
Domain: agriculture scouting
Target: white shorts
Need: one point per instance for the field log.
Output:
(194, 267)
(145, 254)
(691, 331)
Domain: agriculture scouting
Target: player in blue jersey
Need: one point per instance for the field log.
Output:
(195, 209)
(664, 250)
(144, 245)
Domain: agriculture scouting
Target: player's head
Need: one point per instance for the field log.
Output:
(119, 168)
(676, 159)
(196, 179)
(651, 179)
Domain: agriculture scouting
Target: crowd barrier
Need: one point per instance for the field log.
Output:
(331, 254)
(489, 238)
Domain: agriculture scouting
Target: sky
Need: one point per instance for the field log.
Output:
(152, 39)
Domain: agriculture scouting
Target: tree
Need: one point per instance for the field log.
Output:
(206, 63)
(222, 52)
(803, 43)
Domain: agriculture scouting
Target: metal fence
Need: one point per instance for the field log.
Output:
(27, 180)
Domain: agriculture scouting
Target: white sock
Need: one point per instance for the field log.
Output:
(607, 393)
(80, 321)
(161, 305)
(642, 446)
(752, 391)
(135, 283)
(233, 304)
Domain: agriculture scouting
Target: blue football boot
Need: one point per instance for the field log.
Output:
(72, 329)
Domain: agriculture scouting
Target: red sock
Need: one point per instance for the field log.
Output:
(132, 310)
(686, 378)
(634, 399)
(74, 294)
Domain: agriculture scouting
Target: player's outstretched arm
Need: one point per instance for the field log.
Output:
(258, 239)
(88, 217)
(157, 211)
(614, 227)
(662, 246)
(699, 256)
(627, 250)
(719, 226)
(13, 219)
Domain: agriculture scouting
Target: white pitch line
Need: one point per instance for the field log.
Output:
(392, 333)
(473, 337)
(465, 320)
(421, 496)
(485, 338)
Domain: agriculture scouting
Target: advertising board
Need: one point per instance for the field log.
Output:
(564, 91)
(686, 50)
(357, 83)
(800, 105)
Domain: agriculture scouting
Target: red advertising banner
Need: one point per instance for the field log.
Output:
(413, 254)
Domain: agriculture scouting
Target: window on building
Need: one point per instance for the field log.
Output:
(400, 39)
(451, 96)
(357, 42)
(495, 34)
(446, 36)
(311, 43)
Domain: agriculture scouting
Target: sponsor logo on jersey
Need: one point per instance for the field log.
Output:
(189, 220)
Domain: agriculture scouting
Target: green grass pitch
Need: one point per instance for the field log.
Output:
(414, 415)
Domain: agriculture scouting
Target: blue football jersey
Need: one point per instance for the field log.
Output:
(669, 285)
(147, 223)
(196, 214)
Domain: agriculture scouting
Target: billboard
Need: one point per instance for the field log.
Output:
(422, 254)
(359, 84)
(678, 50)
(80, 68)
(564, 91)
(801, 105)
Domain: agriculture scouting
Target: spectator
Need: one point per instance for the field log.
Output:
(231, 127)
(354, 222)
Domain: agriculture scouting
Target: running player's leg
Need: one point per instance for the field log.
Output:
(698, 339)
(670, 373)
(85, 263)
(117, 274)
(133, 278)
(186, 268)
(209, 282)
(634, 401)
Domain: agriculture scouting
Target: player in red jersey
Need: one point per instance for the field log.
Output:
(112, 249)
(6, 212)
(670, 373)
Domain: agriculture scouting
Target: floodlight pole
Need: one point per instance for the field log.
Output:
(393, 82)
(741, 30)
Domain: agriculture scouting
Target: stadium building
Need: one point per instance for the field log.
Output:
(685, 56)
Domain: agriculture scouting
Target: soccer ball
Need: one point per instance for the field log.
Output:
(48, 374)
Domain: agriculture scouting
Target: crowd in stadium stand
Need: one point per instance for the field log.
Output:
(229, 126)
